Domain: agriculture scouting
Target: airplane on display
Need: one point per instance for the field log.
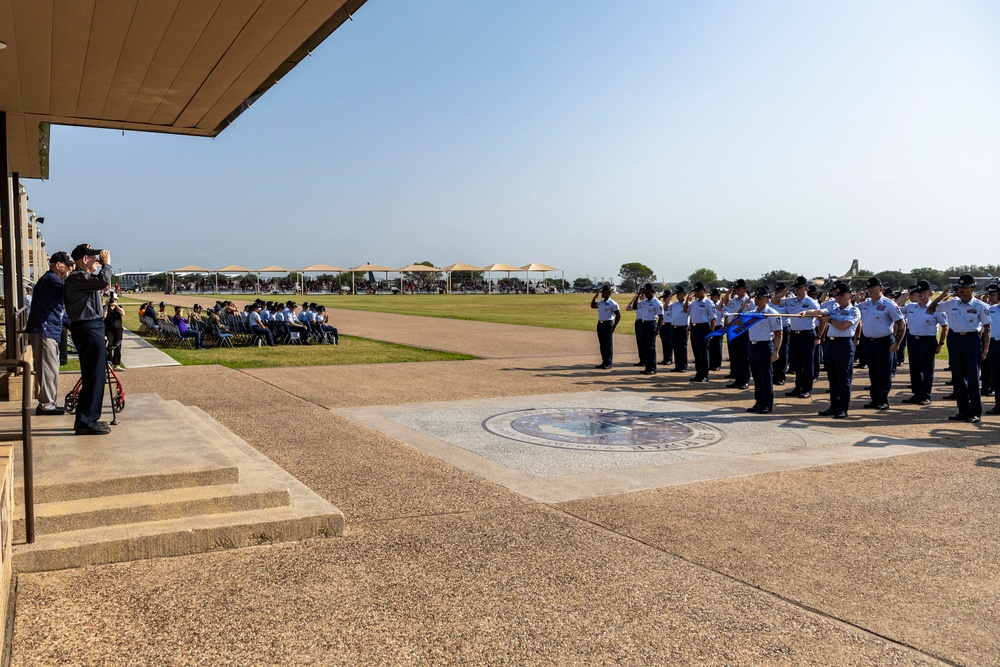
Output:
(852, 274)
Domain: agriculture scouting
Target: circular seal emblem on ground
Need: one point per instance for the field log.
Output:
(602, 429)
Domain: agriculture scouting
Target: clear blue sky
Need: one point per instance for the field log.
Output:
(739, 136)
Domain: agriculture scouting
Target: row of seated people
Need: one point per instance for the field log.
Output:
(260, 322)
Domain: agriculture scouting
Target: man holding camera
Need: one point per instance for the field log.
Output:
(82, 293)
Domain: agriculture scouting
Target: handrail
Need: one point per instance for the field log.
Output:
(28, 455)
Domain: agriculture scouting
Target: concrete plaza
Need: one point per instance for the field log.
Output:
(788, 539)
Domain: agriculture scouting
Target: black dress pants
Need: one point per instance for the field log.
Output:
(647, 343)
(840, 371)
(881, 365)
(699, 346)
(638, 343)
(993, 360)
(964, 350)
(922, 349)
(679, 337)
(762, 370)
(803, 350)
(88, 337)
(781, 364)
(605, 337)
(739, 359)
(666, 343)
(715, 351)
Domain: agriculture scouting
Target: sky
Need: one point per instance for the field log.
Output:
(738, 136)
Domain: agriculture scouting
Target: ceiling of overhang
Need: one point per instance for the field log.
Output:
(177, 66)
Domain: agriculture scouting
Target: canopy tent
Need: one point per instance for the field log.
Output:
(320, 268)
(369, 268)
(498, 267)
(270, 269)
(190, 268)
(232, 268)
(543, 268)
(459, 267)
(415, 268)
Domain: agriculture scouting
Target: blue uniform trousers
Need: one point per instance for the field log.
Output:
(647, 343)
(88, 338)
(840, 371)
(763, 373)
(679, 337)
(881, 365)
(922, 349)
(715, 351)
(638, 343)
(699, 347)
(993, 360)
(605, 337)
(802, 350)
(739, 359)
(781, 364)
(666, 332)
(963, 353)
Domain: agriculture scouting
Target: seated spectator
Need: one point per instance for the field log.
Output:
(215, 321)
(184, 331)
(256, 326)
(197, 313)
(323, 318)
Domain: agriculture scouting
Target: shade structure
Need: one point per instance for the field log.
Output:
(319, 268)
(370, 268)
(507, 268)
(190, 268)
(270, 269)
(415, 268)
(232, 268)
(543, 269)
(459, 267)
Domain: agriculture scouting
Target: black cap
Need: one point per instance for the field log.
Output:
(740, 283)
(800, 282)
(699, 286)
(83, 250)
(163, 304)
(993, 288)
(840, 289)
(605, 287)
(60, 257)
(196, 306)
(779, 286)
(874, 282)
(812, 289)
(680, 289)
(922, 286)
(762, 291)
(648, 287)
(716, 291)
(966, 281)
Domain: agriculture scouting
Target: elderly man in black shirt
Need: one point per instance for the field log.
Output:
(82, 294)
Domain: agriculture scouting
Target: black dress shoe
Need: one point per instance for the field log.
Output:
(793, 392)
(805, 394)
(974, 419)
(778, 383)
(960, 417)
(603, 366)
(696, 379)
(764, 411)
(753, 408)
(639, 364)
(45, 411)
(950, 397)
(912, 400)
(882, 406)
(828, 412)
(101, 428)
(869, 405)
(924, 401)
(840, 415)
(728, 376)
(993, 411)
(664, 362)
(733, 385)
(716, 369)
(647, 372)
(989, 394)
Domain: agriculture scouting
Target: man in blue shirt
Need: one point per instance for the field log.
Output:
(608, 317)
(45, 325)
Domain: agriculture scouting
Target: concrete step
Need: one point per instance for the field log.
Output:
(168, 481)
(59, 517)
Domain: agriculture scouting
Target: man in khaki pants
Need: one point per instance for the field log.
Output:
(45, 323)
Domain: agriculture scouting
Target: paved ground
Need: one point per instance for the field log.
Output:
(882, 561)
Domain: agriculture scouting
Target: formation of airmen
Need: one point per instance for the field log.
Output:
(804, 330)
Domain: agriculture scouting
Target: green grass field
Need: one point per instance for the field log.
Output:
(352, 350)
(555, 311)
